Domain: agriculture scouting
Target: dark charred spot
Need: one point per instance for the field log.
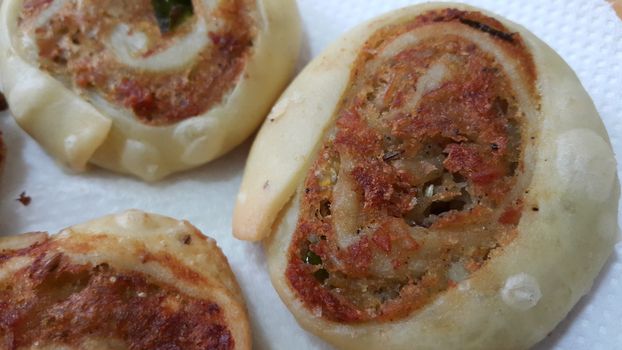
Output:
(103, 267)
(500, 105)
(3, 104)
(392, 155)
(325, 208)
(438, 208)
(321, 275)
(509, 37)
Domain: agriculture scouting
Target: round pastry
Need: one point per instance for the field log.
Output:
(144, 87)
(438, 178)
(127, 281)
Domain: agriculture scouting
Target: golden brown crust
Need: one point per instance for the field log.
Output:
(68, 290)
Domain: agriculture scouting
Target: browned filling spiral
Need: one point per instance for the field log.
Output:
(56, 302)
(71, 47)
(416, 185)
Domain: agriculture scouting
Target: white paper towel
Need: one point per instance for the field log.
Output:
(586, 33)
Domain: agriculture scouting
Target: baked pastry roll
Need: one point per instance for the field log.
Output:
(127, 281)
(114, 83)
(438, 178)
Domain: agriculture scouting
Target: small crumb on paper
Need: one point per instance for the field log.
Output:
(24, 199)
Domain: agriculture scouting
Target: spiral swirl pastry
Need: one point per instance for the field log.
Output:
(433, 200)
(127, 281)
(113, 84)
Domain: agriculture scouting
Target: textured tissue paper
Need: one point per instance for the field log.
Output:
(586, 33)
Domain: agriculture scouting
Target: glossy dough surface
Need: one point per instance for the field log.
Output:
(127, 281)
(484, 240)
(98, 82)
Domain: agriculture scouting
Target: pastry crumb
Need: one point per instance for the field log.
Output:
(24, 199)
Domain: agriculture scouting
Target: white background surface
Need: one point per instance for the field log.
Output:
(586, 33)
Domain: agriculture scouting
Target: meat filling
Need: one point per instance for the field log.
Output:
(56, 302)
(72, 47)
(415, 187)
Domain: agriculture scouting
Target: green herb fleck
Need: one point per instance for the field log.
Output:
(171, 13)
(312, 258)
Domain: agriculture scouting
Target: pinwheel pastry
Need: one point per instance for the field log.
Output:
(146, 87)
(438, 178)
(127, 281)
